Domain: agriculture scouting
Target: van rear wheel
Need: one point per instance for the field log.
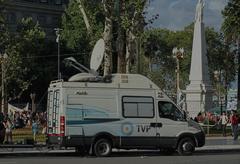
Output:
(102, 148)
(186, 146)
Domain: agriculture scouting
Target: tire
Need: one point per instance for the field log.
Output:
(186, 146)
(102, 148)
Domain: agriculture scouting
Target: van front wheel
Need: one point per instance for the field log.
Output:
(102, 148)
(186, 146)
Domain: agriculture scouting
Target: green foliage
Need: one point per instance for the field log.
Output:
(231, 30)
(158, 45)
(75, 32)
(220, 57)
(22, 65)
(133, 17)
(231, 15)
(4, 36)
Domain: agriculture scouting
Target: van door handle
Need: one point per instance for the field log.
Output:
(154, 124)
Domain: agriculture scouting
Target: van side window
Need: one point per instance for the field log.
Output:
(137, 107)
(169, 110)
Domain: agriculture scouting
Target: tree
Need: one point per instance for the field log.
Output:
(107, 35)
(4, 35)
(158, 45)
(121, 36)
(24, 47)
(85, 17)
(75, 29)
(121, 21)
(132, 21)
(230, 27)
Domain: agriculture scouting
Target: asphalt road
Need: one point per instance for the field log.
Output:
(124, 158)
(42, 156)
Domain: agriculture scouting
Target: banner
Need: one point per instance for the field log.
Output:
(13, 109)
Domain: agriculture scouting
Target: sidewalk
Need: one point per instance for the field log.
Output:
(220, 144)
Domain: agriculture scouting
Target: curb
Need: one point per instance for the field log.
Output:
(217, 150)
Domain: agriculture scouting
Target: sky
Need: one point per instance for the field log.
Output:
(176, 14)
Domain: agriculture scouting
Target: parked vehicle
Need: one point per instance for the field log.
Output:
(126, 111)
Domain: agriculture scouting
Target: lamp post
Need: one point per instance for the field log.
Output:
(178, 55)
(33, 95)
(217, 76)
(3, 58)
(58, 33)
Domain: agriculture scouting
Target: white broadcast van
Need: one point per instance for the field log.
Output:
(124, 111)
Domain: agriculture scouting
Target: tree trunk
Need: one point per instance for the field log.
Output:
(121, 67)
(107, 35)
(85, 18)
(238, 56)
(130, 49)
(134, 30)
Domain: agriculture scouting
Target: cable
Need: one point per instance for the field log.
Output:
(49, 56)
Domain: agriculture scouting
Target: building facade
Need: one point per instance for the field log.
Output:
(46, 12)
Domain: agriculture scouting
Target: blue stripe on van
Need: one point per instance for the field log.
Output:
(89, 121)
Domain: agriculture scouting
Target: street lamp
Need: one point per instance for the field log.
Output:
(178, 55)
(3, 58)
(33, 95)
(217, 76)
(58, 33)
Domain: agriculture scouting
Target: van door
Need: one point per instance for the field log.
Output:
(139, 118)
(53, 112)
(173, 123)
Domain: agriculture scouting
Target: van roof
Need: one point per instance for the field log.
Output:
(116, 81)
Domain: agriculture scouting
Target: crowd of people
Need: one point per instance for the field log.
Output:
(222, 121)
(18, 120)
(233, 120)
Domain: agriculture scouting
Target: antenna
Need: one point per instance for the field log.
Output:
(95, 62)
(97, 55)
(71, 61)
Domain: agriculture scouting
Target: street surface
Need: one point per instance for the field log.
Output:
(127, 158)
(218, 150)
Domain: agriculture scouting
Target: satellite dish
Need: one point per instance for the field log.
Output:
(97, 55)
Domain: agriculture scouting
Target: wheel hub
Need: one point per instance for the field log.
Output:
(103, 148)
(187, 147)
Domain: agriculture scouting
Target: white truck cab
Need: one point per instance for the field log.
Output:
(126, 111)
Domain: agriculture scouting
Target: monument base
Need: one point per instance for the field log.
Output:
(198, 99)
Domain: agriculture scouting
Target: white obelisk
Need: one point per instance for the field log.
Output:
(199, 91)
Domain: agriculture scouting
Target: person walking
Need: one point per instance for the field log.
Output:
(223, 122)
(234, 124)
(34, 129)
(2, 132)
(2, 128)
(8, 127)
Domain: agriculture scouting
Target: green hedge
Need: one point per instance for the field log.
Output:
(19, 135)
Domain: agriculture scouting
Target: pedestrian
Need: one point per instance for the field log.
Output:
(34, 129)
(223, 122)
(8, 126)
(234, 124)
(2, 128)
(2, 132)
(44, 129)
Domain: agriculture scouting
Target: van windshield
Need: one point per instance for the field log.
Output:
(170, 111)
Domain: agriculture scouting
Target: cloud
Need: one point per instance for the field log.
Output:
(176, 14)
